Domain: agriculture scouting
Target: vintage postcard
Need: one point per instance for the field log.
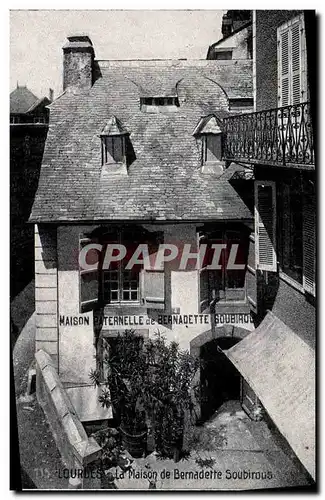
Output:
(163, 248)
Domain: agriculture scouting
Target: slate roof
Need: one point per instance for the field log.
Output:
(164, 182)
(21, 100)
(43, 101)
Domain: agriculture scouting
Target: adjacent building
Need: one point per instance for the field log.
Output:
(235, 44)
(29, 118)
(277, 143)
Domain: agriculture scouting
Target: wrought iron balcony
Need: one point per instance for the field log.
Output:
(280, 136)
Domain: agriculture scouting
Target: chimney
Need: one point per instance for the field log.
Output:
(51, 94)
(78, 62)
(226, 27)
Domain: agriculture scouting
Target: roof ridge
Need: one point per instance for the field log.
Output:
(181, 63)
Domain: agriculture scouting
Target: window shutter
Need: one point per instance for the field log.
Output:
(283, 67)
(295, 62)
(251, 278)
(309, 243)
(265, 226)
(204, 289)
(153, 289)
(292, 74)
(88, 284)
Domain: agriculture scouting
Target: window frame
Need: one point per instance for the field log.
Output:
(120, 280)
(205, 148)
(159, 102)
(105, 151)
(224, 290)
(14, 119)
(284, 244)
(224, 52)
(148, 297)
(39, 120)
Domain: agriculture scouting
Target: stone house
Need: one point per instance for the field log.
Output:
(134, 156)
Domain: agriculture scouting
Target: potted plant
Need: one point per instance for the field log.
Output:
(171, 401)
(124, 377)
(148, 382)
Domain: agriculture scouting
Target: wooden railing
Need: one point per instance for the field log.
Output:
(280, 136)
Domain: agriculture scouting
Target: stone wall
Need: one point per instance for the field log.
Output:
(78, 70)
(46, 291)
(76, 449)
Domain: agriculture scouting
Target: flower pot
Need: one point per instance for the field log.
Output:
(135, 444)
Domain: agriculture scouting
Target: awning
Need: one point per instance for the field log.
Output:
(280, 368)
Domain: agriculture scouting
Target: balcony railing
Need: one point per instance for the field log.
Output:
(281, 136)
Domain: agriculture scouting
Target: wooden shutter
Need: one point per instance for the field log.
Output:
(88, 284)
(309, 243)
(265, 226)
(153, 279)
(284, 67)
(295, 63)
(153, 288)
(251, 279)
(292, 71)
(204, 289)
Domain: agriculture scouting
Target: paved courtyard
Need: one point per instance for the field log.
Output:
(241, 454)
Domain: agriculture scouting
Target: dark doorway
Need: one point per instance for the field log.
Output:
(220, 381)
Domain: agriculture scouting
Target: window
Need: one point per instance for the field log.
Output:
(39, 119)
(224, 55)
(113, 140)
(159, 104)
(293, 241)
(226, 285)
(241, 105)
(292, 70)
(120, 286)
(116, 284)
(113, 149)
(14, 119)
(290, 213)
(208, 131)
(211, 145)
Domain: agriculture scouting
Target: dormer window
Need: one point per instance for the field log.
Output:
(113, 138)
(209, 134)
(159, 104)
(211, 148)
(113, 149)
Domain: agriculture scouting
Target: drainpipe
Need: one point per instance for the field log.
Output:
(212, 307)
